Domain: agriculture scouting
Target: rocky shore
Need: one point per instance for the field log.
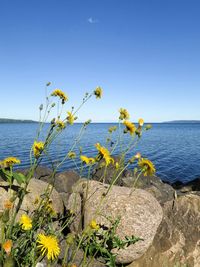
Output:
(166, 217)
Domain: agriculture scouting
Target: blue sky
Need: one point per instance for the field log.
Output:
(144, 53)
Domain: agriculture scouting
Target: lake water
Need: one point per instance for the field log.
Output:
(173, 148)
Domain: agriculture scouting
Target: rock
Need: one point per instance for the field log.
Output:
(65, 180)
(42, 173)
(161, 191)
(177, 241)
(74, 204)
(100, 175)
(187, 187)
(36, 188)
(140, 214)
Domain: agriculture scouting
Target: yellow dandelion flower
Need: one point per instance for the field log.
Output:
(71, 155)
(70, 118)
(105, 154)
(8, 204)
(60, 124)
(10, 161)
(26, 222)
(60, 94)
(48, 245)
(38, 147)
(7, 246)
(98, 92)
(141, 122)
(112, 129)
(94, 225)
(147, 166)
(87, 160)
(130, 127)
(124, 115)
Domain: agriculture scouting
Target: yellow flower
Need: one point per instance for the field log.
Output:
(141, 122)
(98, 92)
(8, 204)
(87, 160)
(7, 246)
(60, 94)
(49, 245)
(72, 155)
(138, 155)
(25, 222)
(112, 129)
(94, 225)
(38, 147)
(70, 118)
(10, 161)
(60, 124)
(147, 166)
(124, 115)
(104, 153)
(130, 127)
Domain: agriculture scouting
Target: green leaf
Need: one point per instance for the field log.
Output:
(6, 175)
(19, 177)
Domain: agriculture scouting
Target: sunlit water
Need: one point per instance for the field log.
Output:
(174, 148)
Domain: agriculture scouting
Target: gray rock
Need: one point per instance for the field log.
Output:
(139, 211)
(35, 188)
(42, 173)
(177, 241)
(163, 192)
(65, 180)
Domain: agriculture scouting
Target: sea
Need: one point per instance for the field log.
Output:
(174, 148)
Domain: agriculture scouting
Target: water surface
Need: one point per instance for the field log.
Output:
(174, 148)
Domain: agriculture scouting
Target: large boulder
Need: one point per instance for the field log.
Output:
(35, 188)
(140, 214)
(163, 192)
(177, 242)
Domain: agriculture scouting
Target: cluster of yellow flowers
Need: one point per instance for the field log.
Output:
(48, 244)
(70, 118)
(60, 94)
(38, 147)
(88, 161)
(25, 222)
(123, 114)
(105, 154)
(9, 162)
(94, 225)
(130, 127)
(60, 124)
(98, 92)
(147, 166)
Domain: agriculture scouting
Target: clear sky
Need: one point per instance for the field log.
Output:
(144, 53)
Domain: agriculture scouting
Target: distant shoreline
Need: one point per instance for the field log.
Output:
(5, 120)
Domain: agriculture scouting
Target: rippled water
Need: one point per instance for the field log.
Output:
(174, 148)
